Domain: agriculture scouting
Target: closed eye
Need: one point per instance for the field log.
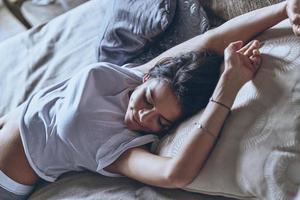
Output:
(163, 125)
(162, 122)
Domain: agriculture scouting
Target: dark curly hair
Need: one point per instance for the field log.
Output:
(192, 76)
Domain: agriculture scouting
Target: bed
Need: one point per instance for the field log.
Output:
(55, 50)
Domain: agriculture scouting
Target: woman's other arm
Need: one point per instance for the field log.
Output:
(246, 26)
(243, 27)
(240, 66)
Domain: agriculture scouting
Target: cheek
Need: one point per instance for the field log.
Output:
(131, 105)
(136, 100)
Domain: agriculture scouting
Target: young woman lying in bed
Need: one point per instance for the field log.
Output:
(102, 118)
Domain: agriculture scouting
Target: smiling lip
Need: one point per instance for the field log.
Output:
(136, 121)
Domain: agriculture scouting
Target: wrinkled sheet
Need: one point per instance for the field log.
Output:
(49, 53)
(89, 186)
(53, 52)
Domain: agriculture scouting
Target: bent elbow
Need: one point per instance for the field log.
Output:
(179, 181)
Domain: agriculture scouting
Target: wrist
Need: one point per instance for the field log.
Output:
(226, 90)
(232, 78)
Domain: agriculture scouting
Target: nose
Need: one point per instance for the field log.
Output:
(147, 115)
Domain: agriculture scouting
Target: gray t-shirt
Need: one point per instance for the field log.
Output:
(78, 124)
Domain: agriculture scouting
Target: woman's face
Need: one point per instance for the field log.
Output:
(152, 107)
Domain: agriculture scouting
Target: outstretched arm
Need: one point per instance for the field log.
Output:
(241, 65)
(242, 28)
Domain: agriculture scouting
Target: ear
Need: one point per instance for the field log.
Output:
(146, 77)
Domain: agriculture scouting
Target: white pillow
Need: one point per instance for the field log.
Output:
(258, 151)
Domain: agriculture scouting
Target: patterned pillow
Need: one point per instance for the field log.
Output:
(257, 155)
(190, 20)
(131, 25)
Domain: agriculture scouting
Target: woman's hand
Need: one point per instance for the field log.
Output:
(293, 12)
(241, 63)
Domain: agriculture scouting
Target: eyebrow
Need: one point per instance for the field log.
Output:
(152, 99)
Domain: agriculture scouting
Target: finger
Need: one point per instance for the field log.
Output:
(296, 30)
(232, 48)
(256, 52)
(235, 46)
(255, 61)
(254, 46)
(244, 48)
(254, 43)
(295, 19)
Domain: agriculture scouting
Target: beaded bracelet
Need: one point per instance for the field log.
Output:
(205, 130)
(221, 104)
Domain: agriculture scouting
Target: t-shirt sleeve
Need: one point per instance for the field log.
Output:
(131, 66)
(117, 145)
